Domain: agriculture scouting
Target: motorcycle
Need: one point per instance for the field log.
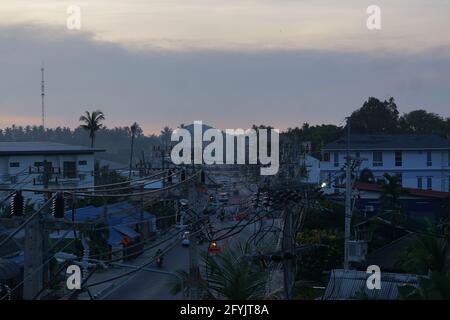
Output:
(159, 261)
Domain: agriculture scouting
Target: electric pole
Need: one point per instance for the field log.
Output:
(194, 270)
(33, 254)
(133, 129)
(42, 96)
(348, 195)
(288, 246)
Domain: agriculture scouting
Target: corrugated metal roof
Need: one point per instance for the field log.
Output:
(23, 148)
(390, 142)
(349, 284)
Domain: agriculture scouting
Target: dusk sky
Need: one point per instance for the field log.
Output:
(229, 63)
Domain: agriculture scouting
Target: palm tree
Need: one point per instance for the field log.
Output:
(228, 276)
(133, 129)
(391, 205)
(92, 123)
(429, 253)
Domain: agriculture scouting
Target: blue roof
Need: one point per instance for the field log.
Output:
(19, 260)
(118, 213)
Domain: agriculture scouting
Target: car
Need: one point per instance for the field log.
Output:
(185, 240)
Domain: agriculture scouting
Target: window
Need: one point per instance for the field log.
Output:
(398, 159)
(14, 164)
(336, 159)
(38, 164)
(377, 159)
(82, 162)
(326, 156)
(69, 169)
(419, 183)
(429, 183)
(429, 159)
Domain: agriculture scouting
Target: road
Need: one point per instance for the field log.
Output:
(146, 285)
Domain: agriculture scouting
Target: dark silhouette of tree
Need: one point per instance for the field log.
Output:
(367, 176)
(391, 207)
(376, 116)
(421, 121)
(92, 122)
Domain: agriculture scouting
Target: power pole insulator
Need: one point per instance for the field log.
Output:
(17, 204)
(58, 206)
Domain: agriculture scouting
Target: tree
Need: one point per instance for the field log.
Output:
(391, 206)
(133, 130)
(421, 121)
(367, 176)
(92, 123)
(229, 276)
(435, 286)
(376, 116)
(165, 135)
(426, 254)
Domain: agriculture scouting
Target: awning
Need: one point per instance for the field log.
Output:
(127, 231)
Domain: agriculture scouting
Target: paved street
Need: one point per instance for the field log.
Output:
(144, 285)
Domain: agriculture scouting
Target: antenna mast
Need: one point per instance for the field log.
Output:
(42, 96)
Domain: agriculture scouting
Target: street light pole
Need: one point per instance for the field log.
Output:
(348, 195)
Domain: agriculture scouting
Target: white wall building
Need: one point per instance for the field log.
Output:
(313, 169)
(421, 161)
(40, 165)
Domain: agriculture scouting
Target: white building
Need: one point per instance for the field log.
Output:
(420, 161)
(313, 169)
(41, 165)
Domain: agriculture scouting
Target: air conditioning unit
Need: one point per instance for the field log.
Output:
(357, 251)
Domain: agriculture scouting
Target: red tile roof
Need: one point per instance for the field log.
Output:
(410, 191)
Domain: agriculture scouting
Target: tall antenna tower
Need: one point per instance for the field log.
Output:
(43, 95)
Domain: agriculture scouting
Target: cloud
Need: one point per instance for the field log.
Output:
(407, 25)
(227, 89)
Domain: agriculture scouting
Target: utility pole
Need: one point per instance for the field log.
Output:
(33, 254)
(42, 96)
(194, 270)
(288, 248)
(143, 227)
(348, 195)
(133, 129)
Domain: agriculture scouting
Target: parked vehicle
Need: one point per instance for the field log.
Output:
(185, 240)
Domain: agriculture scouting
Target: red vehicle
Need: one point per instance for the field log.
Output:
(214, 248)
(241, 216)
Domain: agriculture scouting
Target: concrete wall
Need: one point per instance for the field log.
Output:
(414, 165)
(20, 177)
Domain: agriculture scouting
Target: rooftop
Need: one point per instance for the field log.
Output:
(409, 191)
(38, 148)
(390, 141)
(351, 284)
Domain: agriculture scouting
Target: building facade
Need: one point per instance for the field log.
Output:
(45, 165)
(419, 161)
